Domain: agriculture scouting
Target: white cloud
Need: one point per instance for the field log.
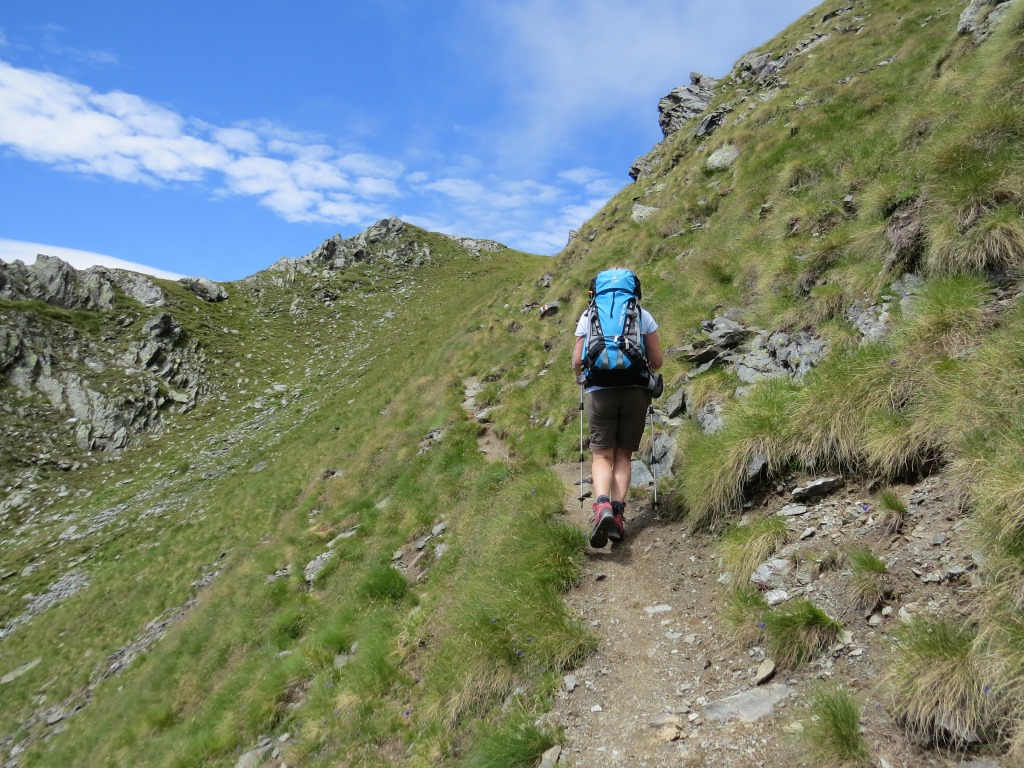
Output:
(11, 250)
(50, 119)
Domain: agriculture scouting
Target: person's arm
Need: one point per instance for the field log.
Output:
(655, 358)
(577, 357)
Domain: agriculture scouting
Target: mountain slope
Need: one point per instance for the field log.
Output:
(325, 557)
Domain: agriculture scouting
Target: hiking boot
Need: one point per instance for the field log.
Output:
(618, 532)
(604, 523)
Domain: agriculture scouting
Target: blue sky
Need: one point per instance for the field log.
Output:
(211, 138)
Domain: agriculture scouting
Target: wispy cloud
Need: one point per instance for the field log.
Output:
(53, 120)
(572, 65)
(52, 39)
(67, 125)
(19, 250)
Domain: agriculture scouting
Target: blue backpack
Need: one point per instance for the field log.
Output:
(614, 354)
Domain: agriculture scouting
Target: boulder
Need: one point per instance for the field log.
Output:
(816, 488)
(749, 706)
(205, 289)
(722, 158)
(642, 212)
(711, 122)
(641, 477)
(710, 419)
(675, 404)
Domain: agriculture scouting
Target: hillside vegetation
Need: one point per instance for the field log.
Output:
(318, 552)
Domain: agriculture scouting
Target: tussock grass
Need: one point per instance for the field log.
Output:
(939, 692)
(797, 631)
(833, 412)
(832, 735)
(516, 743)
(744, 612)
(744, 547)
(869, 581)
(893, 510)
(713, 477)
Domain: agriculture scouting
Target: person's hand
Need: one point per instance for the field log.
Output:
(581, 379)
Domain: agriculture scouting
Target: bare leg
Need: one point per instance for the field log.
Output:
(603, 470)
(622, 471)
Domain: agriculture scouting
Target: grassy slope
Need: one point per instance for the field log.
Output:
(940, 122)
(251, 650)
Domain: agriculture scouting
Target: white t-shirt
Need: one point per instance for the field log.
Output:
(647, 325)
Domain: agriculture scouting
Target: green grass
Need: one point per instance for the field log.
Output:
(869, 580)
(797, 631)
(744, 612)
(516, 743)
(712, 480)
(832, 734)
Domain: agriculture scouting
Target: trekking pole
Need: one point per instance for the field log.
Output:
(581, 447)
(654, 462)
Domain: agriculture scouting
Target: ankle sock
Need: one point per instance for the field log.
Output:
(618, 507)
(602, 499)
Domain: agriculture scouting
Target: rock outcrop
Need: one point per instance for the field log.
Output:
(382, 242)
(980, 17)
(205, 289)
(684, 103)
(675, 111)
(105, 390)
(56, 282)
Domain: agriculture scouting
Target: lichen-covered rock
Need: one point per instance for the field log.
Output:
(205, 289)
(722, 158)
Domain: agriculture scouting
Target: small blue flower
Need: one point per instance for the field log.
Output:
(408, 712)
(894, 362)
(494, 621)
(761, 624)
(529, 639)
(519, 653)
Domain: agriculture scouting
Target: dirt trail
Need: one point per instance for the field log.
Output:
(652, 601)
(668, 687)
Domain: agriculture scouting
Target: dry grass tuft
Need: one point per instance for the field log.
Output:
(939, 692)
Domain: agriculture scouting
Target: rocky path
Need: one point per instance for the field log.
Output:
(642, 698)
(667, 686)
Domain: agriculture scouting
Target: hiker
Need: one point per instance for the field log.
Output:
(619, 380)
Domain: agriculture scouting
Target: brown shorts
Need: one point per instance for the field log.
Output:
(617, 417)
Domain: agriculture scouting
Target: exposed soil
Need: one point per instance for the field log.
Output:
(648, 696)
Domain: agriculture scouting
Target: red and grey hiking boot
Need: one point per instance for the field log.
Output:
(604, 524)
(618, 533)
